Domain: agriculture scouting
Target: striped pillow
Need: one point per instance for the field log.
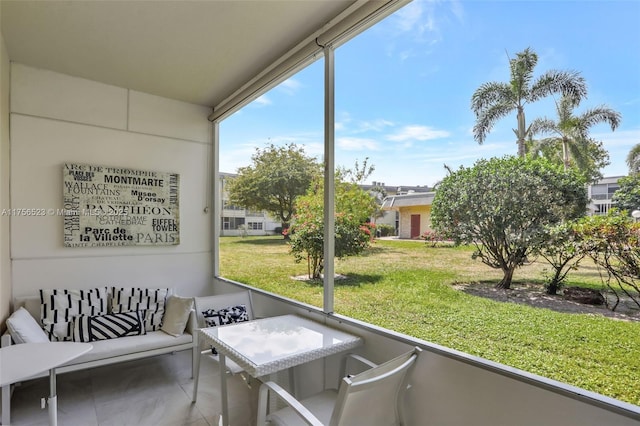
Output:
(91, 328)
(147, 300)
(60, 306)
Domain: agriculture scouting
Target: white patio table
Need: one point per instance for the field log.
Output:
(24, 360)
(268, 345)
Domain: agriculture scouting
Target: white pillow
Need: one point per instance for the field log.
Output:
(24, 328)
(176, 315)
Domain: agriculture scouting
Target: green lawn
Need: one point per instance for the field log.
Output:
(406, 286)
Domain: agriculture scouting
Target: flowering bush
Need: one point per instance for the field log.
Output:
(432, 238)
(613, 242)
(353, 233)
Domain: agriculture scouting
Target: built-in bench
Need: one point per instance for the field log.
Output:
(109, 351)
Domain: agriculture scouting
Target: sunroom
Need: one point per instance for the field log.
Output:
(144, 86)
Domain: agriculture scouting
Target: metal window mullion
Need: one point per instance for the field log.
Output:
(216, 211)
(329, 178)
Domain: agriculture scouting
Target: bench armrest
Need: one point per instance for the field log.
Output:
(192, 323)
(6, 340)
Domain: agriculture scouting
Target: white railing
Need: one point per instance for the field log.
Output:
(449, 387)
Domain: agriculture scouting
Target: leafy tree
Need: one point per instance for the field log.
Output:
(502, 205)
(560, 246)
(594, 156)
(272, 183)
(494, 100)
(570, 137)
(353, 233)
(633, 159)
(613, 242)
(359, 173)
(627, 197)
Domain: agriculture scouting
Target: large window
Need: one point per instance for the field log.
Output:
(403, 91)
(230, 223)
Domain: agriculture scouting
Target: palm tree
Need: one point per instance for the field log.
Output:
(570, 135)
(633, 159)
(494, 100)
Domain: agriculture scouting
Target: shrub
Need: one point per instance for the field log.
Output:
(384, 230)
(432, 238)
(613, 242)
(501, 205)
(352, 231)
(560, 245)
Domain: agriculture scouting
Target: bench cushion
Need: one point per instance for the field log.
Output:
(103, 349)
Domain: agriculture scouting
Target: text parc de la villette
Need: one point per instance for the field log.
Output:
(114, 206)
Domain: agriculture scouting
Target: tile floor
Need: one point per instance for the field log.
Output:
(154, 391)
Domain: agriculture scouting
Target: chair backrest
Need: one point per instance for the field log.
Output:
(222, 301)
(374, 397)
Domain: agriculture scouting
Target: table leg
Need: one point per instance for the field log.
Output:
(196, 376)
(53, 399)
(223, 389)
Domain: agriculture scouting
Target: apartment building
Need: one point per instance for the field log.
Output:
(601, 194)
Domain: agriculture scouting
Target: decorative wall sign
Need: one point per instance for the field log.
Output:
(115, 206)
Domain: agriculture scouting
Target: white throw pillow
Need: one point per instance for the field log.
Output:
(24, 328)
(176, 315)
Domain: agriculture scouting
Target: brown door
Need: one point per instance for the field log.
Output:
(415, 225)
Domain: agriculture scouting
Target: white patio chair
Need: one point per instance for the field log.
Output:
(217, 303)
(372, 398)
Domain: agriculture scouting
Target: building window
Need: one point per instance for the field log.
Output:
(228, 206)
(599, 192)
(604, 191)
(229, 223)
(254, 226)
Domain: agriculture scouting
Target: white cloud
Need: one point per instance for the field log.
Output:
(342, 121)
(239, 156)
(261, 101)
(346, 124)
(406, 54)
(357, 144)
(374, 125)
(425, 22)
(409, 16)
(290, 86)
(457, 10)
(619, 138)
(417, 133)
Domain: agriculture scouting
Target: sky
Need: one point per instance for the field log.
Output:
(403, 88)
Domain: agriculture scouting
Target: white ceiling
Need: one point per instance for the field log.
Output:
(195, 51)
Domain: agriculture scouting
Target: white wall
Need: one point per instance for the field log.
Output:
(5, 262)
(57, 118)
